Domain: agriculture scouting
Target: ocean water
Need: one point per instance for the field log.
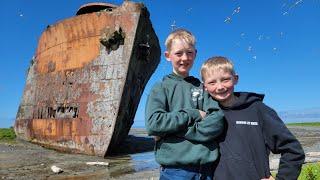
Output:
(284, 119)
(299, 120)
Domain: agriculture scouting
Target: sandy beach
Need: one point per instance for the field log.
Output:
(134, 160)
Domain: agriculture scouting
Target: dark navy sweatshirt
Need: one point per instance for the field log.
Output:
(252, 131)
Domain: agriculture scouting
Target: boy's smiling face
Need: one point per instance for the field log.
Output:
(181, 55)
(220, 85)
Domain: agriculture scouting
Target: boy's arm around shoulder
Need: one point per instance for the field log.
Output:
(280, 140)
(159, 121)
(210, 127)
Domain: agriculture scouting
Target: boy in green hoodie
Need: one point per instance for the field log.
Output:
(184, 118)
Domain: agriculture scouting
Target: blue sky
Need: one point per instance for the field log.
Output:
(274, 45)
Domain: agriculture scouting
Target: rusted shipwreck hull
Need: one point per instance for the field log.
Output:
(86, 79)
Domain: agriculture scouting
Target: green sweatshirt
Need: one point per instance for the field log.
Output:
(172, 112)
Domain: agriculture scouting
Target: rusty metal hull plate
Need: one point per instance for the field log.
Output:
(86, 79)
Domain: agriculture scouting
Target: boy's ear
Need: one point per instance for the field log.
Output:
(204, 86)
(236, 79)
(167, 55)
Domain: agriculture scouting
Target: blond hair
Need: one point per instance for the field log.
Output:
(181, 34)
(216, 63)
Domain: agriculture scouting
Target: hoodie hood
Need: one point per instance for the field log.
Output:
(189, 79)
(245, 99)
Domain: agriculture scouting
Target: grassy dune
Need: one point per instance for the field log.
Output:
(7, 134)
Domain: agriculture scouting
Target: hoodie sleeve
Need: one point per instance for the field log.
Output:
(160, 122)
(280, 140)
(210, 127)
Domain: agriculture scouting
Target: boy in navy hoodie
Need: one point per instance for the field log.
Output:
(252, 130)
(185, 119)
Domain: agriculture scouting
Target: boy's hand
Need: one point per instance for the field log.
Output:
(202, 113)
(156, 138)
(270, 178)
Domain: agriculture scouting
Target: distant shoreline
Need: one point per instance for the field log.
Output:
(315, 124)
(307, 123)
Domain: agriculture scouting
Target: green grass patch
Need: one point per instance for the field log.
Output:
(314, 124)
(7, 134)
(310, 172)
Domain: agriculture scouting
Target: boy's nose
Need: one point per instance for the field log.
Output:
(220, 86)
(184, 56)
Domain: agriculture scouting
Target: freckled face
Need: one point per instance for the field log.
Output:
(220, 85)
(182, 56)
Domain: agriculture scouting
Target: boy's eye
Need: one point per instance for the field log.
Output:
(178, 53)
(190, 52)
(226, 79)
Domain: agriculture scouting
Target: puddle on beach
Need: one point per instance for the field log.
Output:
(132, 163)
(140, 156)
(144, 161)
(121, 166)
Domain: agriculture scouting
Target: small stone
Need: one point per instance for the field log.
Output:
(56, 169)
(98, 163)
(313, 154)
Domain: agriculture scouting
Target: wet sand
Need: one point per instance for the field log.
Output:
(134, 160)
